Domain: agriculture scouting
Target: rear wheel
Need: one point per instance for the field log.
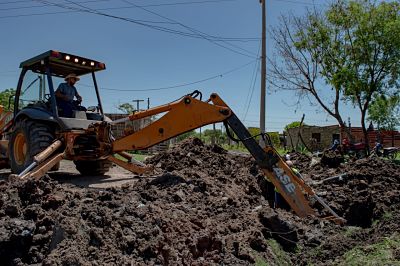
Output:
(393, 155)
(92, 168)
(28, 139)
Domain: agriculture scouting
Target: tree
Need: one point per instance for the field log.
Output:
(217, 134)
(294, 124)
(186, 135)
(385, 112)
(348, 53)
(5, 97)
(127, 108)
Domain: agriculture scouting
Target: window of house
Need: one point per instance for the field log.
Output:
(335, 137)
(316, 136)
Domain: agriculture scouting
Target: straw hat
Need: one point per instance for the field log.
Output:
(72, 75)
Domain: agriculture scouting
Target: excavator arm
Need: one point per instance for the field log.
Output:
(181, 116)
(189, 113)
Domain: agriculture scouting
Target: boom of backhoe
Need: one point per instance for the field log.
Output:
(178, 117)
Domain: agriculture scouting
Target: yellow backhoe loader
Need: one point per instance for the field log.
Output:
(36, 136)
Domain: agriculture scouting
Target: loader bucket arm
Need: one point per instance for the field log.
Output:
(181, 116)
(189, 113)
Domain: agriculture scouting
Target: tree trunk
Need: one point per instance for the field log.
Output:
(364, 129)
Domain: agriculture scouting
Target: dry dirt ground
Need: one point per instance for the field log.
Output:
(203, 206)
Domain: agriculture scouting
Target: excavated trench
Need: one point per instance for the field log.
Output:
(204, 207)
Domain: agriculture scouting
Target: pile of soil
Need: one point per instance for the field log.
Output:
(363, 190)
(206, 207)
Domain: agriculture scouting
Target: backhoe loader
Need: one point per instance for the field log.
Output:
(38, 137)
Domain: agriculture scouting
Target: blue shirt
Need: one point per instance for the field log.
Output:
(67, 90)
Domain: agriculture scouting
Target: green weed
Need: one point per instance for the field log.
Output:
(282, 258)
(381, 253)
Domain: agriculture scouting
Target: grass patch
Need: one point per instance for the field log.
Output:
(281, 257)
(261, 262)
(139, 157)
(386, 216)
(350, 230)
(381, 253)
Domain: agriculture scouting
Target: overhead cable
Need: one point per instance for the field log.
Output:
(184, 84)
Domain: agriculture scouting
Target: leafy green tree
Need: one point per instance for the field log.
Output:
(274, 138)
(385, 112)
(127, 108)
(217, 135)
(4, 99)
(254, 131)
(186, 135)
(348, 53)
(294, 124)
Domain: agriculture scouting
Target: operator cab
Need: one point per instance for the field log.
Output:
(40, 78)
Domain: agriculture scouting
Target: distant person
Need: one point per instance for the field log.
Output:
(378, 148)
(65, 94)
(335, 145)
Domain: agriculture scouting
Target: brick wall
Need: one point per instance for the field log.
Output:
(316, 138)
(122, 129)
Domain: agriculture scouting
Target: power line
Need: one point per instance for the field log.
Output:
(13, 2)
(73, 10)
(299, 2)
(178, 3)
(184, 84)
(202, 34)
(252, 84)
(196, 32)
(142, 23)
(37, 6)
(230, 39)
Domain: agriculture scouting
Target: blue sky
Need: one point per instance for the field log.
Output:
(148, 61)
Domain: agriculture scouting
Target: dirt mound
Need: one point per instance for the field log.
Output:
(300, 160)
(331, 159)
(206, 208)
(364, 191)
(202, 210)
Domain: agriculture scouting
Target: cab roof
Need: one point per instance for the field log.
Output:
(61, 64)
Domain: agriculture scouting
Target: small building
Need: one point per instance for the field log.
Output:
(315, 138)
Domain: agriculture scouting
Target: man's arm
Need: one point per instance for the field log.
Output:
(78, 97)
(60, 95)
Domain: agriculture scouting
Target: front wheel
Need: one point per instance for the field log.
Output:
(28, 139)
(93, 168)
(393, 155)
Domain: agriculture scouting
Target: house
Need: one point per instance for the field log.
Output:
(313, 138)
(316, 138)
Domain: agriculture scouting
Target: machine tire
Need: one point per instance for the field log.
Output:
(93, 168)
(392, 155)
(28, 139)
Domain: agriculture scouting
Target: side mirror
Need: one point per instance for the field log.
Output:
(92, 108)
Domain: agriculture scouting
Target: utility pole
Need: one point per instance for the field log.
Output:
(137, 103)
(263, 71)
(213, 135)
